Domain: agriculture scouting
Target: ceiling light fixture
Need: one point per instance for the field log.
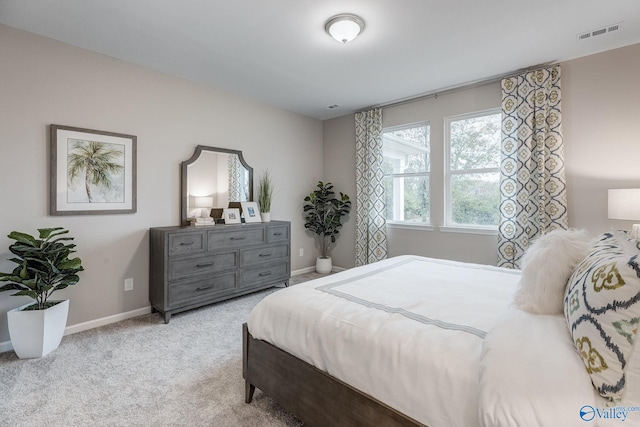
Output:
(344, 27)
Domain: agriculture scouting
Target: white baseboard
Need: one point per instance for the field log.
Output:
(303, 271)
(106, 320)
(313, 268)
(6, 345)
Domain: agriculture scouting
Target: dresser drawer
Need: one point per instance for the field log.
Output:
(277, 233)
(264, 254)
(186, 267)
(201, 290)
(267, 274)
(236, 237)
(187, 243)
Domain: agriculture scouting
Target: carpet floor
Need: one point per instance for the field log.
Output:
(141, 372)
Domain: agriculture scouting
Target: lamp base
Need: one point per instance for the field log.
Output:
(635, 231)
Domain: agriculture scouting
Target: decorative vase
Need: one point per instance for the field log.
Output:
(265, 216)
(323, 265)
(36, 333)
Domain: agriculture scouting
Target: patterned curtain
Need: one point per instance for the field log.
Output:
(532, 183)
(371, 234)
(235, 179)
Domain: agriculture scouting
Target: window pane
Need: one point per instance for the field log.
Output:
(475, 198)
(418, 135)
(406, 150)
(407, 198)
(398, 162)
(475, 142)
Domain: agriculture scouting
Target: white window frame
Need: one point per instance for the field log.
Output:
(449, 225)
(425, 226)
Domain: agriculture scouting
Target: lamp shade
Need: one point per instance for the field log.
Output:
(204, 202)
(624, 204)
(344, 27)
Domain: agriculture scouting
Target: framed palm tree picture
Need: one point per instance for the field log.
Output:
(92, 172)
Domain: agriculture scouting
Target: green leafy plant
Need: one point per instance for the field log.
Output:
(265, 191)
(323, 215)
(43, 266)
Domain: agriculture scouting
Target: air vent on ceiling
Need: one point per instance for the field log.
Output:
(600, 31)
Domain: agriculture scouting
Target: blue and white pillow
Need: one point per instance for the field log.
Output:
(602, 308)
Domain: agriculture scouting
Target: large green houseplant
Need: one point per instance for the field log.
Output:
(43, 266)
(323, 216)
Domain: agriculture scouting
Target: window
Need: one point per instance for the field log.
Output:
(406, 173)
(472, 173)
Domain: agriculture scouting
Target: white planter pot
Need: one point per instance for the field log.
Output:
(323, 265)
(265, 216)
(36, 333)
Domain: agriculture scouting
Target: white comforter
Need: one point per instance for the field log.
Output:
(436, 340)
(407, 331)
(532, 376)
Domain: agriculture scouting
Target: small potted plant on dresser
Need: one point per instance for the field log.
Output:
(43, 267)
(323, 216)
(265, 194)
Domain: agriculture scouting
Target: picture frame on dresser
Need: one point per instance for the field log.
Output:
(108, 186)
(231, 216)
(251, 212)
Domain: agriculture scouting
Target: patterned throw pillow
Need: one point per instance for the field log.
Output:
(602, 308)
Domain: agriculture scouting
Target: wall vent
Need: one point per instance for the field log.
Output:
(600, 31)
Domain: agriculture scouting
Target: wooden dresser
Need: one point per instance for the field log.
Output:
(194, 266)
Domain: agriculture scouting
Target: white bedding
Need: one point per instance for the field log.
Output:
(439, 341)
(532, 376)
(407, 331)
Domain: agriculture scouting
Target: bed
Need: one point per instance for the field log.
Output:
(414, 341)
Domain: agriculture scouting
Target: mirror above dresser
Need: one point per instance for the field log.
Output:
(211, 178)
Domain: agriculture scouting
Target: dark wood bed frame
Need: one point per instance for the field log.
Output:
(310, 394)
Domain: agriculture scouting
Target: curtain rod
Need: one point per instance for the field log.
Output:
(456, 88)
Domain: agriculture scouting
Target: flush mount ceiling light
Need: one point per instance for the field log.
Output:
(344, 27)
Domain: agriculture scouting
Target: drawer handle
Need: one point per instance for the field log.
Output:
(267, 254)
(204, 288)
(204, 265)
(186, 243)
(239, 238)
(279, 233)
(265, 273)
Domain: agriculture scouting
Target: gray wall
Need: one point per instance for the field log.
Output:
(46, 82)
(601, 111)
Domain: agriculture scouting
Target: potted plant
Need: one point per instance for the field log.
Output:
(323, 216)
(265, 194)
(43, 267)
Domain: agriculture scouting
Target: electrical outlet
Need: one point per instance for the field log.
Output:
(301, 252)
(128, 284)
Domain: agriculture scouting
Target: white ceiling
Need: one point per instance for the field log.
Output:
(277, 51)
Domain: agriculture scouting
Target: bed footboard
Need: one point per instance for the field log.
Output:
(309, 393)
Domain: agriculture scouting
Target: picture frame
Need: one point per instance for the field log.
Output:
(110, 189)
(251, 212)
(231, 216)
(216, 213)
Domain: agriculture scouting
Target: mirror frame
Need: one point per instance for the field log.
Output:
(196, 155)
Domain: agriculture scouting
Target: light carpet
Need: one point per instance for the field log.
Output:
(141, 372)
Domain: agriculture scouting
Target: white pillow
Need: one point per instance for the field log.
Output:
(546, 267)
(602, 308)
